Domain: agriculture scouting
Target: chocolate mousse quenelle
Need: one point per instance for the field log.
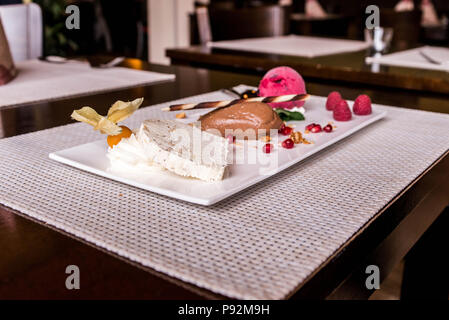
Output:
(242, 119)
(281, 87)
(257, 115)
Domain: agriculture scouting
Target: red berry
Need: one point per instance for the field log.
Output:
(287, 131)
(328, 128)
(267, 148)
(281, 128)
(310, 126)
(342, 111)
(288, 143)
(332, 100)
(316, 128)
(231, 139)
(362, 105)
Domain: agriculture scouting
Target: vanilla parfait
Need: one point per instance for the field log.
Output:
(179, 148)
(183, 149)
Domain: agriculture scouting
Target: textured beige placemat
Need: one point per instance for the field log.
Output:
(414, 59)
(261, 243)
(293, 45)
(43, 81)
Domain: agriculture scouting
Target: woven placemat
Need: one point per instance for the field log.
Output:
(45, 81)
(261, 243)
(293, 45)
(413, 58)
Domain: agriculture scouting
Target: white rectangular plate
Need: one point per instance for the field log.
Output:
(91, 157)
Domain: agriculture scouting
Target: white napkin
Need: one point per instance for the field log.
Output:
(429, 16)
(314, 9)
(404, 5)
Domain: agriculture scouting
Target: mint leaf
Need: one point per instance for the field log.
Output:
(286, 115)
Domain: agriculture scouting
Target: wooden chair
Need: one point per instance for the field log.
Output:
(331, 26)
(263, 21)
(406, 26)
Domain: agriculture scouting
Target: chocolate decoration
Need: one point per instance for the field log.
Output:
(224, 104)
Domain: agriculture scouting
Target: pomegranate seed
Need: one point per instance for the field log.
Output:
(327, 128)
(310, 126)
(286, 131)
(288, 144)
(281, 128)
(267, 148)
(316, 128)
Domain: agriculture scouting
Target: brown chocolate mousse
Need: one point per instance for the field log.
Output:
(241, 117)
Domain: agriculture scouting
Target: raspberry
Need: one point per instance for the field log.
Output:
(362, 105)
(342, 111)
(332, 100)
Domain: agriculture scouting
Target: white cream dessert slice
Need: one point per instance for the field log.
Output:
(176, 147)
(128, 156)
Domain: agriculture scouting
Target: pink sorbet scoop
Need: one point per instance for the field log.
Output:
(282, 81)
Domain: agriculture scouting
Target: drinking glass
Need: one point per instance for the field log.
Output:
(379, 38)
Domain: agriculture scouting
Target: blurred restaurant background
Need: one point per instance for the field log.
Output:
(144, 29)
(156, 30)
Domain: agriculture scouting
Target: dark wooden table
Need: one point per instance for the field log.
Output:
(33, 256)
(345, 67)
